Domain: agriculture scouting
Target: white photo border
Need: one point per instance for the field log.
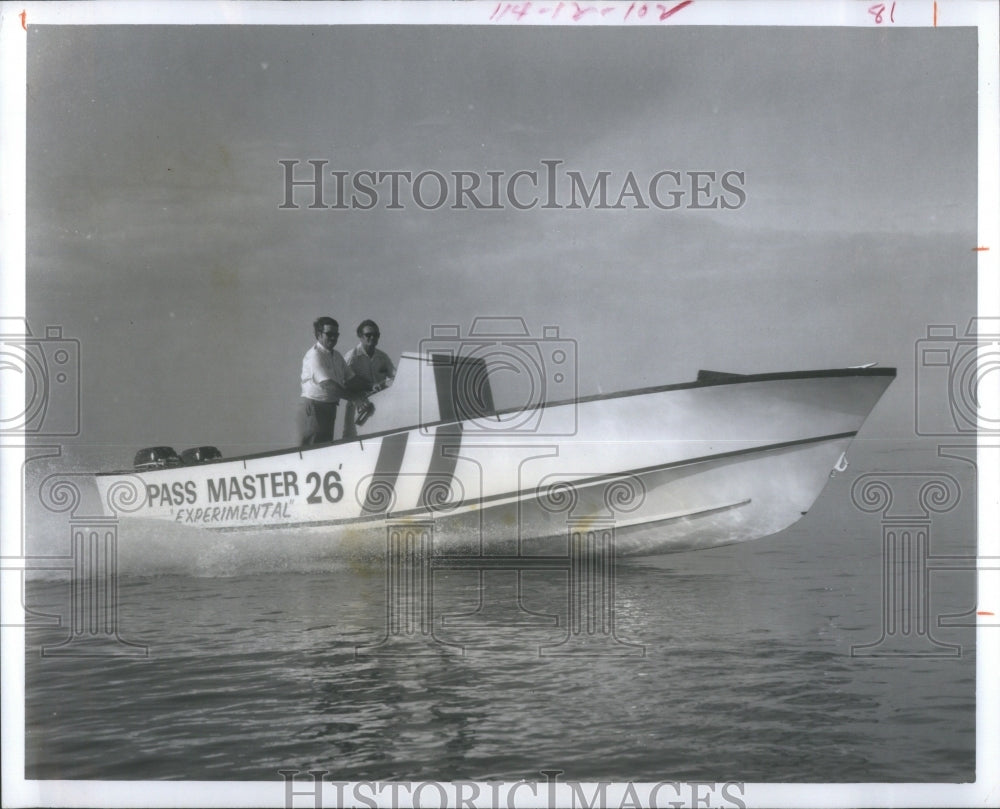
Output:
(14, 20)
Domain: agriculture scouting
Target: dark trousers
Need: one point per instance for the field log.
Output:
(314, 421)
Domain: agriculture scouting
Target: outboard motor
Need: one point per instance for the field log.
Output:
(197, 455)
(156, 458)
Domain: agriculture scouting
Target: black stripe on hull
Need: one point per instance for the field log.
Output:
(436, 490)
(383, 483)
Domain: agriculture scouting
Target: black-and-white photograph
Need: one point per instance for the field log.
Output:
(519, 403)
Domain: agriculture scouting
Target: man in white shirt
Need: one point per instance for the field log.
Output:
(369, 363)
(326, 379)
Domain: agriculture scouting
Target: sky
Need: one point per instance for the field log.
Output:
(156, 237)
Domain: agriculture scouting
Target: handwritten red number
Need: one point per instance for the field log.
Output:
(519, 10)
(639, 8)
(879, 9)
(581, 10)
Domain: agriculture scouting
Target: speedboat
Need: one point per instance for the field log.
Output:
(723, 459)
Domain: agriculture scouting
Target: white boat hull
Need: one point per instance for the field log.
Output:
(673, 468)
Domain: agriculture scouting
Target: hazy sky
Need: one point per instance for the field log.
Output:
(155, 235)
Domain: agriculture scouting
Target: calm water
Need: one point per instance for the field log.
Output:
(730, 664)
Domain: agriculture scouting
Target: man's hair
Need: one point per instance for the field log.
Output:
(365, 323)
(321, 322)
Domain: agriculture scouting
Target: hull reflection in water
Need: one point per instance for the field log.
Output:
(725, 459)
